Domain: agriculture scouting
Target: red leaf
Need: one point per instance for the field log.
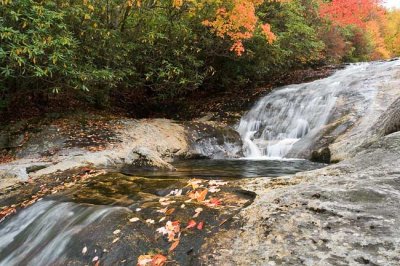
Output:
(200, 225)
(174, 245)
(215, 202)
(191, 224)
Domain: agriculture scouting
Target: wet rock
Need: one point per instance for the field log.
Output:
(145, 159)
(12, 175)
(322, 156)
(211, 140)
(111, 143)
(344, 214)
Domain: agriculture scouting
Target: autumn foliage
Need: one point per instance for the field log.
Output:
(364, 23)
(239, 23)
(351, 12)
(95, 50)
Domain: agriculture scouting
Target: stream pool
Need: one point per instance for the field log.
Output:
(114, 218)
(234, 168)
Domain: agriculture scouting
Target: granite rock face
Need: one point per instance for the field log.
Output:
(148, 144)
(344, 214)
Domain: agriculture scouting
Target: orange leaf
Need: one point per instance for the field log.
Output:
(158, 260)
(174, 245)
(200, 225)
(202, 195)
(191, 224)
(170, 211)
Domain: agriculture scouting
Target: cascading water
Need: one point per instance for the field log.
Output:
(285, 116)
(40, 235)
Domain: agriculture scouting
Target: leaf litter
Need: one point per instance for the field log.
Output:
(197, 194)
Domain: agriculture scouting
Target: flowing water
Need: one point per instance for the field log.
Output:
(55, 230)
(41, 234)
(287, 115)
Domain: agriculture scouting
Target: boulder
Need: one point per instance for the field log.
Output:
(145, 159)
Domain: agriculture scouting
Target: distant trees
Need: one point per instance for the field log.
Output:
(363, 25)
(163, 49)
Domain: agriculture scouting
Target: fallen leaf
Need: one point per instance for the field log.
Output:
(183, 206)
(191, 224)
(135, 219)
(166, 201)
(138, 209)
(202, 195)
(116, 232)
(150, 221)
(162, 230)
(143, 260)
(214, 189)
(95, 259)
(170, 211)
(158, 260)
(162, 219)
(174, 245)
(163, 210)
(195, 183)
(214, 202)
(198, 195)
(84, 250)
(176, 192)
(197, 212)
(217, 183)
(200, 225)
(115, 240)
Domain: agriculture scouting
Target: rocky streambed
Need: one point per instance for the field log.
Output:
(85, 191)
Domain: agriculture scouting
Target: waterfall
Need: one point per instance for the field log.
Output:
(297, 112)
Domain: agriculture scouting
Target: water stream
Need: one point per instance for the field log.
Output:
(55, 230)
(297, 112)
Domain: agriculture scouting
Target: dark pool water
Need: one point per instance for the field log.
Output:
(232, 168)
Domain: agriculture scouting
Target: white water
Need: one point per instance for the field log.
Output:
(285, 116)
(40, 234)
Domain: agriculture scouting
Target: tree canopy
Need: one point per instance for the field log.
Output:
(163, 49)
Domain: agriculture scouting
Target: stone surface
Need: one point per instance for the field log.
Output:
(143, 144)
(344, 214)
(146, 159)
